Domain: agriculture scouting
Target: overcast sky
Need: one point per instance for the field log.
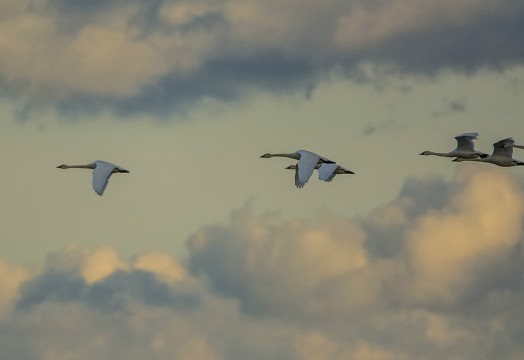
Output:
(206, 251)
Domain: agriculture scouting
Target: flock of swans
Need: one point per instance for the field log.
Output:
(502, 151)
(327, 169)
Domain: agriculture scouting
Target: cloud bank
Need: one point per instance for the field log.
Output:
(159, 56)
(436, 273)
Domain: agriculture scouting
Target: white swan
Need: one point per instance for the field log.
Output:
(326, 171)
(305, 166)
(102, 170)
(502, 154)
(465, 148)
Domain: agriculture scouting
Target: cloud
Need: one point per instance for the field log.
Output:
(114, 293)
(263, 263)
(11, 277)
(159, 56)
(98, 279)
(457, 248)
(315, 346)
(446, 250)
(435, 273)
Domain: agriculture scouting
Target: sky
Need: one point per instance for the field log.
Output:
(206, 251)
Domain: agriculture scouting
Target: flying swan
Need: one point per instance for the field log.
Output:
(502, 154)
(465, 148)
(326, 172)
(307, 161)
(102, 170)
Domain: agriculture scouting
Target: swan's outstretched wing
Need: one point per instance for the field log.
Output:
(326, 172)
(465, 141)
(305, 166)
(503, 148)
(101, 174)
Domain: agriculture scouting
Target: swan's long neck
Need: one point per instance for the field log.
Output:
(437, 153)
(295, 156)
(87, 166)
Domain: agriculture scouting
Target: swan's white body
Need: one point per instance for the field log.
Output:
(307, 161)
(102, 170)
(502, 154)
(326, 171)
(465, 148)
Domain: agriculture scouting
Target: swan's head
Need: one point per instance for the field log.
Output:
(458, 160)
(63, 166)
(425, 153)
(266, 155)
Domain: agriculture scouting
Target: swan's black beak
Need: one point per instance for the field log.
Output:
(124, 171)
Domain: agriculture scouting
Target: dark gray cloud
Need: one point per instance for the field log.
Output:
(227, 80)
(488, 42)
(109, 294)
(160, 56)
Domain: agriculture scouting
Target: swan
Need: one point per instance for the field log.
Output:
(502, 154)
(326, 172)
(305, 166)
(465, 148)
(102, 170)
